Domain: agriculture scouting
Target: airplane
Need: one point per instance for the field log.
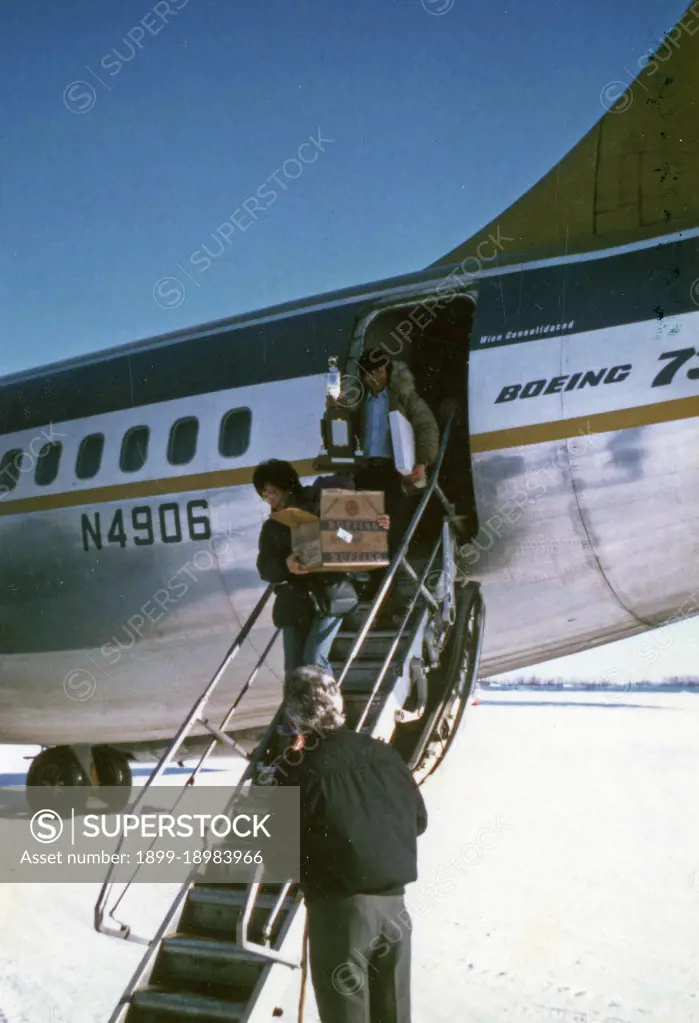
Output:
(566, 332)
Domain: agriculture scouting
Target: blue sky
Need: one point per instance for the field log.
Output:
(132, 130)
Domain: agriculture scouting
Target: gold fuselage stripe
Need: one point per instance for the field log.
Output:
(496, 440)
(140, 488)
(601, 422)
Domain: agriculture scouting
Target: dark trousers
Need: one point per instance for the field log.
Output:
(382, 475)
(360, 958)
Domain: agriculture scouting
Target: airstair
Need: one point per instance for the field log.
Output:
(407, 662)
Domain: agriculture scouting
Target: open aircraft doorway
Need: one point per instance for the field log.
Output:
(431, 334)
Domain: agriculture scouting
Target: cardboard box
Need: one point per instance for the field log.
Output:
(346, 537)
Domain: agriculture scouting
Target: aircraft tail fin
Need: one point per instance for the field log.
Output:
(633, 176)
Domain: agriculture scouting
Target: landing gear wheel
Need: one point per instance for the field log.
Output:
(114, 774)
(51, 771)
(57, 768)
(460, 676)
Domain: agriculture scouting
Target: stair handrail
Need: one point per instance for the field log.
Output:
(171, 751)
(400, 554)
(242, 938)
(218, 734)
(173, 914)
(394, 645)
(247, 944)
(267, 953)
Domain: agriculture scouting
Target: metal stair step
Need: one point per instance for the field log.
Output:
(376, 645)
(385, 619)
(374, 634)
(392, 602)
(266, 888)
(212, 913)
(193, 964)
(354, 704)
(199, 973)
(362, 676)
(156, 1005)
(231, 896)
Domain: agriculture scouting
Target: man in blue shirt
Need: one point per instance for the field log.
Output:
(390, 387)
(377, 434)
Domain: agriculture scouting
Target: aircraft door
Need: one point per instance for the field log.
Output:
(431, 336)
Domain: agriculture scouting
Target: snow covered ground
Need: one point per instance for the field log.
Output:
(559, 877)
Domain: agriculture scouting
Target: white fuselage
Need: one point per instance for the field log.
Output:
(119, 601)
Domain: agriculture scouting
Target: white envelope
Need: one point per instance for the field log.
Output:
(403, 440)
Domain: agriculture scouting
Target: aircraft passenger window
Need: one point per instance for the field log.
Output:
(47, 464)
(89, 456)
(10, 468)
(234, 439)
(134, 449)
(182, 445)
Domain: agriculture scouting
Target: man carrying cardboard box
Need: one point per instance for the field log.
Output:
(390, 387)
(310, 601)
(345, 535)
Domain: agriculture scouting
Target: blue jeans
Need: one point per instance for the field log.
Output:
(309, 644)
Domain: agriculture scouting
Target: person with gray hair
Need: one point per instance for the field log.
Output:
(361, 814)
(313, 701)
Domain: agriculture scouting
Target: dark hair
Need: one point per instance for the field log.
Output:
(373, 359)
(278, 474)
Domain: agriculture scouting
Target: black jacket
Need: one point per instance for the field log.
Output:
(292, 602)
(361, 813)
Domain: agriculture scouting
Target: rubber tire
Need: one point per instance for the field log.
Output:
(113, 771)
(54, 768)
(464, 650)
